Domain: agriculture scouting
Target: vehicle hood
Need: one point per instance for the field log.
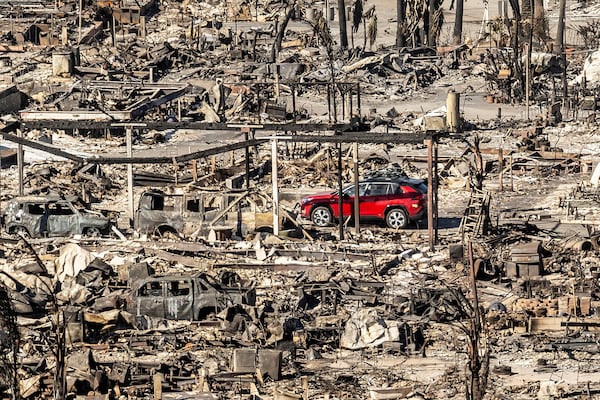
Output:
(93, 218)
(321, 195)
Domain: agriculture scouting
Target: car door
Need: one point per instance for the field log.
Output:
(179, 299)
(62, 219)
(374, 200)
(193, 213)
(150, 299)
(30, 216)
(348, 200)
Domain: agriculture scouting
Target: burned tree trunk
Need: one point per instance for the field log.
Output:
(342, 17)
(431, 24)
(400, 24)
(458, 22)
(517, 70)
(279, 38)
(478, 365)
(9, 344)
(476, 167)
(560, 30)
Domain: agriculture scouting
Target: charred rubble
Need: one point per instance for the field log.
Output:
(156, 155)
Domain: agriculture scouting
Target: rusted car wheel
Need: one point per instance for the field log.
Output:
(21, 231)
(93, 232)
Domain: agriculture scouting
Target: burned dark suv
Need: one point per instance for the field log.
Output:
(40, 216)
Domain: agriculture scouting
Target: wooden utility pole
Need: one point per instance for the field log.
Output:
(343, 28)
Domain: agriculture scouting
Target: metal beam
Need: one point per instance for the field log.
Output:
(358, 137)
(41, 146)
(99, 120)
(131, 160)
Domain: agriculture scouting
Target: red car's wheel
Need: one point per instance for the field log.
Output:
(321, 216)
(396, 218)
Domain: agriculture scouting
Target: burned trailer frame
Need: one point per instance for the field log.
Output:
(198, 212)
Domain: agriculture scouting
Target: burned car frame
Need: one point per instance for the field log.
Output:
(191, 297)
(196, 212)
(40, 216)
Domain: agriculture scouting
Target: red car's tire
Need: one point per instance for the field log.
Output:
(396, 218)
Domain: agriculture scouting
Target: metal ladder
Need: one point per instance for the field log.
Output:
(476, 215)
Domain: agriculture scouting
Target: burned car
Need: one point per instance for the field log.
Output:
(195, 213)
(41, 216)
(191, 297)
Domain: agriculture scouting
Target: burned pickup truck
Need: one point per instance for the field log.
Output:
(191, 297)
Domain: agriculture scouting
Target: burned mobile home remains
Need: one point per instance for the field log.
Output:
(159, 165)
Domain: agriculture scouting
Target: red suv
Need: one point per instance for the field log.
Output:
(397, 201)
